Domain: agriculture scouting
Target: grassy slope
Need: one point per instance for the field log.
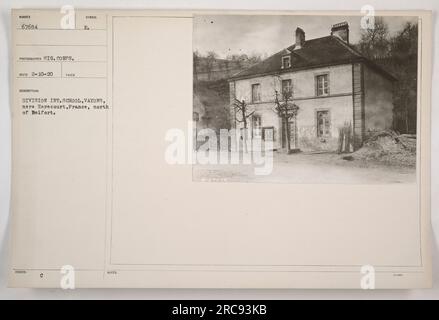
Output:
(214, 95)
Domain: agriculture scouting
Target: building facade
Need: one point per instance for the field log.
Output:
(332, 85)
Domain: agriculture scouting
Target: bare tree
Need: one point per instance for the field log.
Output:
(241, 108)
(404, 65)
(244, 60)
(287, 110)
(211, 57)
(196, 60)
(397, 54)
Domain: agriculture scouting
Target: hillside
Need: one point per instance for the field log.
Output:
(214, 98)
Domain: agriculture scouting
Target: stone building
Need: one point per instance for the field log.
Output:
(333, 85)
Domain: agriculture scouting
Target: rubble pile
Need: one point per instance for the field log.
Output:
(390, 148)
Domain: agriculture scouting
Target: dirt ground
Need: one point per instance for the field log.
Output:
(309, 168)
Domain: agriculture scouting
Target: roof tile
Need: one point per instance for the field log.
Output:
(315, 52)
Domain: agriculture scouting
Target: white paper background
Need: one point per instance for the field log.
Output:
(5, 154)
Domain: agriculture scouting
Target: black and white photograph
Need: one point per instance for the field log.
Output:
(325, 99)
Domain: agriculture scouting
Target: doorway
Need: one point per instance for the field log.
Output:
(292, 123)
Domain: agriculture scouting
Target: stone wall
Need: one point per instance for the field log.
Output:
(378, 101)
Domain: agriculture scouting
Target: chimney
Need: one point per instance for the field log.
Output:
(341, 30)
(300, 38)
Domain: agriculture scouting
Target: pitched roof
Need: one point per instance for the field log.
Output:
(314, 53)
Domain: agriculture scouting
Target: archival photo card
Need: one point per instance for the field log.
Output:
(214, 149)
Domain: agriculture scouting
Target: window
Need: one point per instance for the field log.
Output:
(257, 126)
(287, 86)
(268, 134)
(323, 124)
(322, 85)
(286, 62)
(256, 92)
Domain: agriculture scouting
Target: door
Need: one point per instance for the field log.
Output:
(292, 123)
